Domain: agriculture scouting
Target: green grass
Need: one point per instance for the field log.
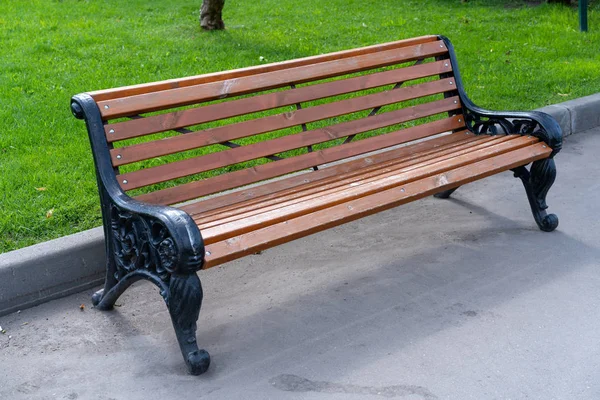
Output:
(512, 56)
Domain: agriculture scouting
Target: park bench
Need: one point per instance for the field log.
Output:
(198, 171)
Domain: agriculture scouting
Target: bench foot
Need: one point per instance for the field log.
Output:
(183, 296)
(97, 298)
(537, 181)
(184, 302)
(445, 194)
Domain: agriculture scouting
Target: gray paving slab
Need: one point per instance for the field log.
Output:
(438, 299)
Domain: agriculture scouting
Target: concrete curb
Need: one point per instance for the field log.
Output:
(50, 270)
(577, 115)
(70, 264)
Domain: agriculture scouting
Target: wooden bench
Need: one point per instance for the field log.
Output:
(346, 134)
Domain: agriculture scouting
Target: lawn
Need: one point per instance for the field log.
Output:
(513, 55)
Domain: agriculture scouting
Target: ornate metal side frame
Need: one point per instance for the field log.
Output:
(540, 177)
(160, 244)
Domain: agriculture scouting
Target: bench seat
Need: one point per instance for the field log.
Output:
(252, 220)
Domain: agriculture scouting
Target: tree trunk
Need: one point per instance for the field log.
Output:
(211, 14)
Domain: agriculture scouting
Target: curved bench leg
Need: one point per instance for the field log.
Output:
(113, 288)
(182, 292)
(445, 194)
(184, 299)
(184, 302)
(537, 181)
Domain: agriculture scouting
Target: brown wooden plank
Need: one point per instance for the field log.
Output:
(357, 189)
(212, 112)
(100, 95)
(129, 154)
(303, 194)
(258, 173)
(281, 188)
(143, 151)
(154, 101)
(323, 187)
(190, 166)
(179, 119)
(261, 239)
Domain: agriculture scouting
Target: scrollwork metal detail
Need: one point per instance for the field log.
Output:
(143, 249)
(142, 243)
(498, 125)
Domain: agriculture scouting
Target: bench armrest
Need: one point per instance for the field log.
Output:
(482, 121)
(138, 234)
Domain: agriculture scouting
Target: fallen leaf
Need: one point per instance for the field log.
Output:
(564, 95)
(49, 213)
(82, 307)
(41, 189)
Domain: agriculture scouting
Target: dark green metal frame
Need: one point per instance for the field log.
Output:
(583, 15)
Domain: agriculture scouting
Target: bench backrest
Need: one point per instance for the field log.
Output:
(177, 140)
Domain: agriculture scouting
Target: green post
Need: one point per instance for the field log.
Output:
(583, 19)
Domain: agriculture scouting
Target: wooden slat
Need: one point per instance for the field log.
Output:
(286, 231)
(318, 192)
(126, 91)
(371, 183)
(189, 141)
(212, 161)
(268, 191)
(258, 173)
(137, 104)
(354, 177)
(234, 108)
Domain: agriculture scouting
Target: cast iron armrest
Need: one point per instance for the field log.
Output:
(142, 234)
(482, 121)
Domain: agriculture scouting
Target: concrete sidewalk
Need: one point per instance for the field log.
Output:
(439, 299)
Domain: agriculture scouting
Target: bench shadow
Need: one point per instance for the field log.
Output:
(393, 300)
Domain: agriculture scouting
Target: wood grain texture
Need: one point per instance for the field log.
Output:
(358, 175)
(154, 101)
(278, 189)
(285, 231)
(213, 112)
(138, 152)
(195, 165)
(126, 91)
(271, 170)
(369, 183)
